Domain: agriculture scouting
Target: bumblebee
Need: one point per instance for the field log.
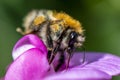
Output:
(59, 32)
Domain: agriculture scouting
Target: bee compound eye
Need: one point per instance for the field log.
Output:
(73, 34)
(72, 38)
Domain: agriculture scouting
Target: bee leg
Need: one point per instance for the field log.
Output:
(54, 53)
(57, 46)
(55, 50)
(20, 31)
(49, 42)
(69, 51)
(68, 61)
(49, 54)
(60, 61)
(83, 54)
(50, 46)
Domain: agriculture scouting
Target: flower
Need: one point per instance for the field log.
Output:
(30, 63)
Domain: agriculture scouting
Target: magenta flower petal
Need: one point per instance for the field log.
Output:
(2, 78)
(107, 63)
(79, 74)
(31, 65)
(27, 42)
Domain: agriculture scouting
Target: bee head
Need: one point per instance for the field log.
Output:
(76, 39)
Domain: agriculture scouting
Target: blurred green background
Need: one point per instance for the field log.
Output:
(100, 19)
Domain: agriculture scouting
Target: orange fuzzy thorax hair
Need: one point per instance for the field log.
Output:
(69, 21)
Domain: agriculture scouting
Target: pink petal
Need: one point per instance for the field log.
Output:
(79, 74)
(2, 78)
(27, 42)
(107, 63)
(31, 65)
